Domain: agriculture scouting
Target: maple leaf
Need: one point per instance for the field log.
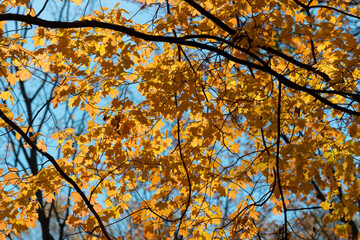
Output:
(203, 121)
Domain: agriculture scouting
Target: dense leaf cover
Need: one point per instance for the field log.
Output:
(215, 119)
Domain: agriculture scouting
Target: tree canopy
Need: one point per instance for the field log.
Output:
(184, 119)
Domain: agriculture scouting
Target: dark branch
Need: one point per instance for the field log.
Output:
(180, 40)
(211, 17)
(59, 170)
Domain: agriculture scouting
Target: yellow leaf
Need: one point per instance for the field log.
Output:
(41, 145)
(11, 178)
(49, 197)
(77, 2)
(325, 205)
(24, 74)
(38, 40)
(232, 194)
(30, 11)
(6, 95)
(12, 79)
(300, 17)
(113, 93)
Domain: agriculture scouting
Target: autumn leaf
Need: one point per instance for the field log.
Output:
(11, 178)
(169, 119)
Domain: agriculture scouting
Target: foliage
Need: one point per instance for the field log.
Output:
(215, 119)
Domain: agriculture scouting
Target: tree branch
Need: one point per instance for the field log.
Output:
(211, 17)
(180, 40)
(59, 170)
